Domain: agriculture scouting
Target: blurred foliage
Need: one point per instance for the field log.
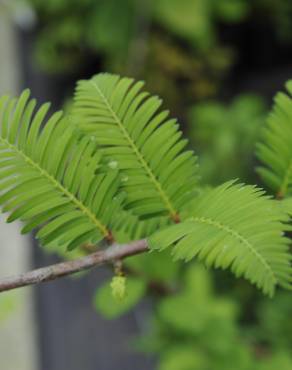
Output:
(154, 267)
(195, 20)
(70, 28)
(279, 14)
(224, 137)
(170, 43)
(108, 305)
(171, 69)
(276, 327)
(176, 45)
(8, 303)
(197, 301)
(68, 31)
(197, 330)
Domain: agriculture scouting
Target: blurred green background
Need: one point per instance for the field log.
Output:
(216, 64)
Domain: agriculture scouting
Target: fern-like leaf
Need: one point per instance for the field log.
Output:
(286, 205)
(275, 149)
(158, 176)
(238, 227)
(49, 177)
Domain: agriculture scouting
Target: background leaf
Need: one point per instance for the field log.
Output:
(109, 307)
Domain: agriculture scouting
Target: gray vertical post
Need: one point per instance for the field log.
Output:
(17, 329)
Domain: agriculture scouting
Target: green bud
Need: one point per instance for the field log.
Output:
(118, 286)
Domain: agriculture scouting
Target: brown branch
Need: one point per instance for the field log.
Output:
(112, 253)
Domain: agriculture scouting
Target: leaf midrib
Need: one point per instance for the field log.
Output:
(284, 185)
(59, 186)
(139, 155)
(237, 235)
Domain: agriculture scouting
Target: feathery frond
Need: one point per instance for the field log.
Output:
(158, 175)
(49, 177)
(238, 227)
(275, 149)
(285, 205)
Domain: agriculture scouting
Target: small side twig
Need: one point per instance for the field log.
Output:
(52, 272)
